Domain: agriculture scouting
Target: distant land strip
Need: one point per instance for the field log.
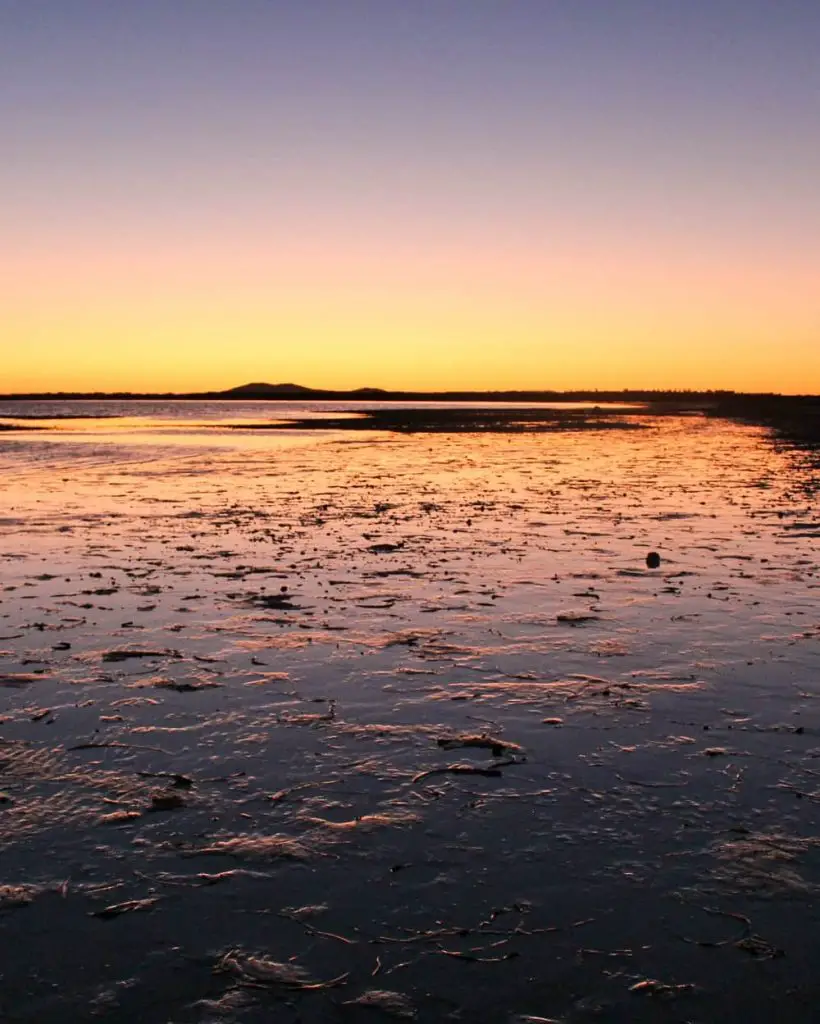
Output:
(296, 392)
(791, 417)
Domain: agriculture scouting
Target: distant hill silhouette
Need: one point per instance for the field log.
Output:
(259, 389)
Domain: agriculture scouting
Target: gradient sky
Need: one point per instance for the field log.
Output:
(410, 193)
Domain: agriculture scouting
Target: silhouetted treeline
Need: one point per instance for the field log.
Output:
(792, 417)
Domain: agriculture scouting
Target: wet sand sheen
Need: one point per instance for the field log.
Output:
(405, 727)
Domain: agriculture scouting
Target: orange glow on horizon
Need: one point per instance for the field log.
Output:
(95, 316)
(408, 305)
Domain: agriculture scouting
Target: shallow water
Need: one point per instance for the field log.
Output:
(409, 713)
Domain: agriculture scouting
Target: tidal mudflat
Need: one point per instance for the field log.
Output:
(341, 727)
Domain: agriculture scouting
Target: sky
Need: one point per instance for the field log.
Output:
(419, 194)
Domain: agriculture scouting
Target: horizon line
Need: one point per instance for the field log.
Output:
(261, 390)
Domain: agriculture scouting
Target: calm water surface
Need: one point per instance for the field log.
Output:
(331, 727)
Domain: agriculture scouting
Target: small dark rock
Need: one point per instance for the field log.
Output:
(166, 801)
(653, 560)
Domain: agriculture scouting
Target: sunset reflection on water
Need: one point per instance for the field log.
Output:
(438, 651)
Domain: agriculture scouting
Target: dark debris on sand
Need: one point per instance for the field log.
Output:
(458, 420)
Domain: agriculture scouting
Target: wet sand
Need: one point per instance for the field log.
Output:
(402, 726)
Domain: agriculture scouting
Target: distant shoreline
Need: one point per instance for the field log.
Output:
(794, 418)
(290, 393)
